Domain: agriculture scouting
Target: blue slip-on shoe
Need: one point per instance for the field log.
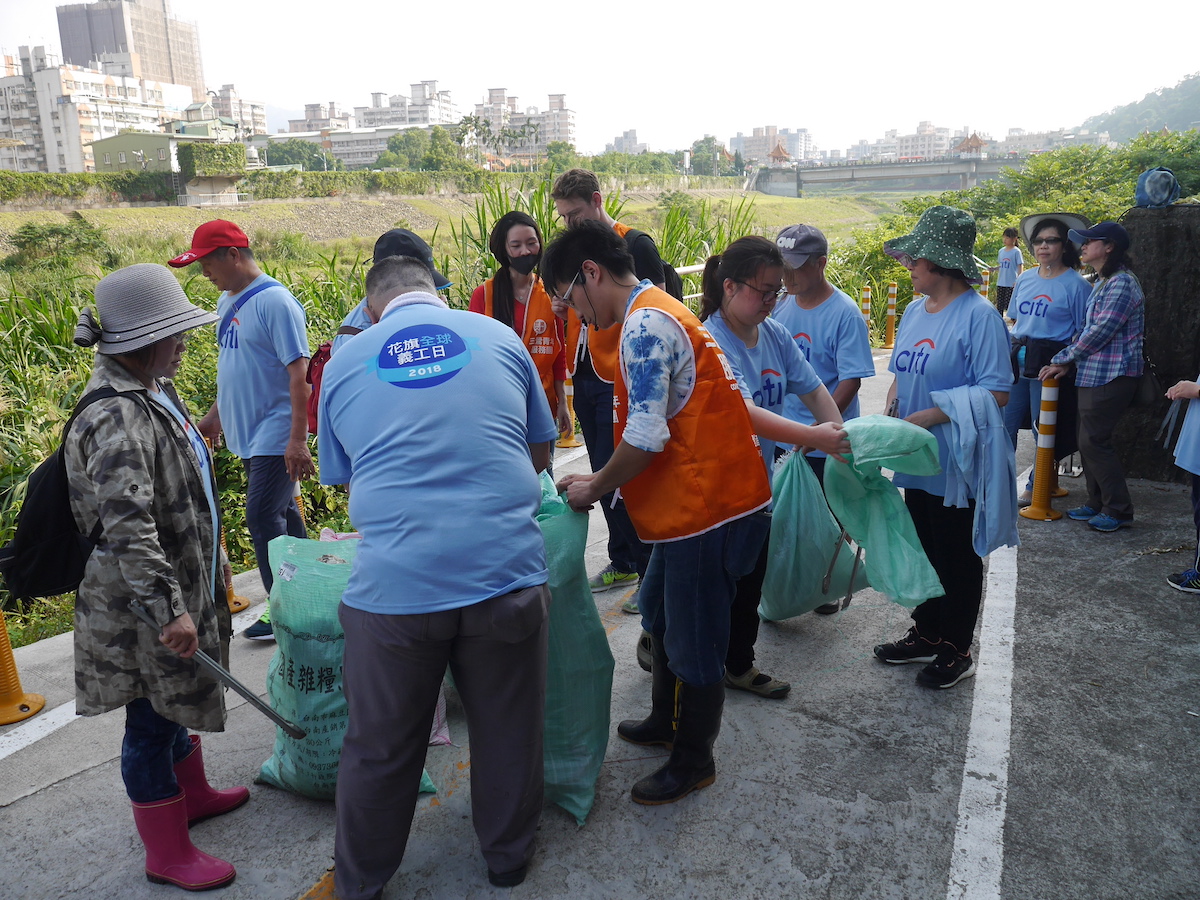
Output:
(1106, 523)
(1082, 513)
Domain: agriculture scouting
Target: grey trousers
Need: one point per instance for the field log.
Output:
(1100, 409)
(496, 651)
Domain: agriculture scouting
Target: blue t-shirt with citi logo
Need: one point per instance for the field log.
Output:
(1051, 309)
(964, 344)
(253, 353)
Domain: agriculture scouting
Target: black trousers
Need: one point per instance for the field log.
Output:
(945, 535)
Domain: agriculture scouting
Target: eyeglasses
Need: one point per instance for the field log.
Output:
(771, 295)
(1048, 241)
(566, 297)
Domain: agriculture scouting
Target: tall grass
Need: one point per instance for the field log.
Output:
(42, 372)
(471, 263)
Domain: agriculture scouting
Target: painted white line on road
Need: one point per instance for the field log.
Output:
(561, 459)
(978, 858)
(41, 725)
(47, 722)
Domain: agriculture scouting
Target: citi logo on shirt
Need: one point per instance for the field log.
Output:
(804, 342)
(229, 340)
(771, 394)
(1039, 306)
(917, 358)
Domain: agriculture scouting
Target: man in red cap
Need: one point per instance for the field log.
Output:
(262, 394)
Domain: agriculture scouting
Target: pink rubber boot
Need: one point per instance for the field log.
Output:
(170, 856)
(203, 800)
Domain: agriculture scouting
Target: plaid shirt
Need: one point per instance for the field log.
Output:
(1110, 344)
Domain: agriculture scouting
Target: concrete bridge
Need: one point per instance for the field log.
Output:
(932, 174)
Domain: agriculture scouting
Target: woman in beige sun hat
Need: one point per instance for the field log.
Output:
(141, 481)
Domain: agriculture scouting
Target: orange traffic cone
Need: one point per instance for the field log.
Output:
(15, 704)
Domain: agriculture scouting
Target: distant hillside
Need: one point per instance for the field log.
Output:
(1177, 108)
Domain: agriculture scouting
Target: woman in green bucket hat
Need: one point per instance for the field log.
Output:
(950, 338)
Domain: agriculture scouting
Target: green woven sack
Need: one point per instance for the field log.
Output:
(804, 539)
(304, 679)
(579, 665)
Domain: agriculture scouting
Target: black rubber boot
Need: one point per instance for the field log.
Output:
(658, 728)
(690, 766)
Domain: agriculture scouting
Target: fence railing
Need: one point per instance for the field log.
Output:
(230, 199)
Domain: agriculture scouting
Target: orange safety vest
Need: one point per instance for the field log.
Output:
(602, 345)
(540, 335)
(710, 472)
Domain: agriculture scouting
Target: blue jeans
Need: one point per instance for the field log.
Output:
(152, 747)
(1024, 404)
(688, 590)
(1196, 517)
(270, 509)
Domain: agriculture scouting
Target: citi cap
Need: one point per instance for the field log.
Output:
(402, 242)
(797, 243)
(138, 306)
(1029, 224)
(209, 237)
(1105, 231)
(945, 236)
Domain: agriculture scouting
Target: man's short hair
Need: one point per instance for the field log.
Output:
(588, 239)
(575, 183)
(222, 252)
(396, 275)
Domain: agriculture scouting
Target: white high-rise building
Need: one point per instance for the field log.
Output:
(57, 111)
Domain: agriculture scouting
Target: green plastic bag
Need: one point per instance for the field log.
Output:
(871, 509)
(304, 679)
(579, 666)
(804, 538)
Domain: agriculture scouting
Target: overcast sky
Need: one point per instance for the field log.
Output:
(843, 71)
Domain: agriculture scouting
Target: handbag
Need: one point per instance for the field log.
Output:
(1149, 389)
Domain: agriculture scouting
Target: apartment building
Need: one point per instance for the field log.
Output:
(1019, 142)
(59, 110)
(357, 148)
(759, 144)
(321, 117)
(250, 115)
(165, 48)
(626, 142)
(429, 106)
(424, 106)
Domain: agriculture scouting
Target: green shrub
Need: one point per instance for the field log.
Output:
(59, 244)
(210, 160)
(130, 185)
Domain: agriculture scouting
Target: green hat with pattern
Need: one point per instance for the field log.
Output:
(945, 236)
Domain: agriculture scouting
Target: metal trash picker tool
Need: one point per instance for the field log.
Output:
(223, 674)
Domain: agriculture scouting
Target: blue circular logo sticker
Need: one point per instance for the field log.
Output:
(421, 356)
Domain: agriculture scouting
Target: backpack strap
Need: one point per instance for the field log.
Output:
(100, 393)
(349, 329)
(227, 320)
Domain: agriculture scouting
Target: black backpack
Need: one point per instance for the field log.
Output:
(672, 280)
(47, 554)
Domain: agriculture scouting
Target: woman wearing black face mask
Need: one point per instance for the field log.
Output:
(517, 298)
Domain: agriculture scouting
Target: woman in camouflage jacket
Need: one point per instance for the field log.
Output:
(137, 466)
